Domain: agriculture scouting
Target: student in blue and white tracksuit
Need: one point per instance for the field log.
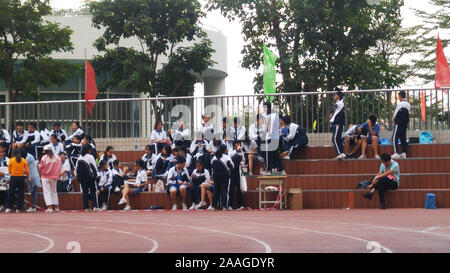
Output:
(76, 131)
(199, 176)
(221, 166)
(33, 140)
(199, 151)
(159, 137)
(134, 186)
(109, 156)
(60, 133)
(87, 174)
(4, 175)
(150, 159)
(401, 120)
(5, 137)
(56, 146)
(177, 182)
(20, 136)
(337, 123)
(295, 138)
(104, 182)
(238, 159)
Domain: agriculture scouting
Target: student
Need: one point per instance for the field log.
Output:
(20, 136)
(207, 190)
(35, 181)
(76, 131)
(4, 175)
(88, 140)
(199, 176)
(45, 133)
(225, 131)
(222, 165)
(177, 182)
(109, 156)
(60, 133)
(173, 158)
(150, 159)
(162, 161)
(87, 174)
(401, 120)
(104, 182)
(372, 137)
(182, 152)
(134, 186)
(352, 137)
(120, 176)
(5, 137)
(33, 140)
(64, 182)
(50, 169)
(199, 152)
(250, 149)
(388, 178)
(73, 150)
(295, 139)
(238, 158)
(337, 122)
(159, 137)
(206, 129)
(56, 146)
(181, 136)
(18, 168)
(237, 132)
(272, 157)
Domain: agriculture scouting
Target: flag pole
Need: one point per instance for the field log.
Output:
(85, 84)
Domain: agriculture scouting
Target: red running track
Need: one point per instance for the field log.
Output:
(362, 231)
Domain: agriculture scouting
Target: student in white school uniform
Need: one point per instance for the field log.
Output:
(134, 186)
(181, 137)
(159, 137)
(199, 152)
(401, 120)
(150, 159)
(5, 137)
(86, 173)
(57, 147)
(109, 156)
(199, 176)
(177, 182)
(237, 131)
(238, 159)
(76, 131)
(60, 133)
(4, 175)
(64, 182)
(222, 165)
(33, 140)
(295, 139)
(45, 133)
(104, 184)
(206, 128)
(20, 136)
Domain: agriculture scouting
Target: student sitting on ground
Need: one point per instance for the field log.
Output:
(295, 139)
(352, 137)
(104, 182)
(199, 176)
(177, 181)
(4, 175)
(134, 186)
(150, 159)
(64, 183)
(160, 170)
(372, 137)
(388, 178)
(120, 176)
(109, 156)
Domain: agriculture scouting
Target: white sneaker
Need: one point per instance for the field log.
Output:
(117, 189)
(224, 209)
(403, 155)
(104, 207)
(200, 205)
(211, 208)
(57, 210)
(2, 208)
(122, 201)
(341, 156)
(31, 209)
(49, 210)
(127, 207)
(377, 157)
(183, 205)
(230, 208)
(87, 210)
(241, 208)
(362, 157)
(96, 209)
(8, 210)
(192, 206)
(264, 173)
(282, 173)
(395, 156)
(174, 207)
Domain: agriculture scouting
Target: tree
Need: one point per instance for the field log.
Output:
(26, 41)
(159, 26)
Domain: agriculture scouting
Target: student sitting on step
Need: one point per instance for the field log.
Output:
(120, 175)
(134, 186)
(73, 150)
(33, 140)
(173, 158)
(388, 178)
(295, 138)
(160, 170)
(109, 156)
(182, 152)
(150, 159)
(199, 176)
(352, 137)
(104, 184)
(250, 149)
(372, 137)
(4, 175)
(177, 182)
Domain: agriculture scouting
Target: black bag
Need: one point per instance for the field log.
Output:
(363, 184)
(414, 140)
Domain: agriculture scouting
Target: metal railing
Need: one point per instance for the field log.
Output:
(135, 117)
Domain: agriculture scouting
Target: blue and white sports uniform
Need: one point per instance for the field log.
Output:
(175, 176)
(375, 128)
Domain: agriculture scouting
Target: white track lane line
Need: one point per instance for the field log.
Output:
(154, 242)
(267, 247)
(51, 243)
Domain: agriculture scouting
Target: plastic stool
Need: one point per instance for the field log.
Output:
(430, 201)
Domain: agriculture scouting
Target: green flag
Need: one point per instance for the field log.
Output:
(270, 73)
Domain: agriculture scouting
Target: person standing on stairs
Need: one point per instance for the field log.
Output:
(337, 123)
(401, 120)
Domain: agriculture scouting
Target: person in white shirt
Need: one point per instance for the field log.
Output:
(134, 186)
(181, 137)
(268, 149)
(33, 140)
(206, 128)
(150, 159)
(5, 137)
(238, 159)
(4, 175)
(86, 172)
(177, 182)
(222, 165)
(63, 184)
(237, 132)
(353, 137)
(109, 156)
(20, 136)
(104, 182)
(76, 131)
(401, 120)
(57, 147)
(159, 137)
(295, 139)
(182, 152)
(198, 177)
(252, 155)
(60, 133)
(45, 133)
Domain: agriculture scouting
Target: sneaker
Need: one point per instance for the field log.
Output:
(127, 207)
(349, 156)
(49, 210)
(341, 156)
(250, 173)
(224, 209)
(104, 207)
(31, 209)
(240, 208)
(57, 210)
(122, 201)
(96, 209)
(403, 155)
(117, 189)
(362, 157)
(383, 205)
(183, 205)
(87, 210)
(264, 173)
(395, 156)
(377, 157)
(282, 173)
(211, 208)
(8, 210)
(368, 195)
(230, 208)
(192, 206)
(200, 205)
(174, 207)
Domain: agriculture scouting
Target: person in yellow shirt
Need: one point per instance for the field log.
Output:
(18, 168)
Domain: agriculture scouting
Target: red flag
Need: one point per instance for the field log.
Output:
(442, 70)
(90, 86)
(422, 106)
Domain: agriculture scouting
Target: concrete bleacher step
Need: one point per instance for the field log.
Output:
(312, 199)
(350, 181)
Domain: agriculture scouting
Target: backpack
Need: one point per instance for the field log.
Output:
(426, 137)
(363, 184)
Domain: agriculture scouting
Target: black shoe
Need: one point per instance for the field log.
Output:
(368, 195)
(383, 205)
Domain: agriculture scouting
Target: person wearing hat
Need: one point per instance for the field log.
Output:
(50, 169)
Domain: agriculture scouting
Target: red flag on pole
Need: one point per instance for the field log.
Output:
(442, 70)
(90, 86)
(422, 106)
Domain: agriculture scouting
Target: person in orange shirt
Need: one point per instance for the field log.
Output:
(18, 168)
